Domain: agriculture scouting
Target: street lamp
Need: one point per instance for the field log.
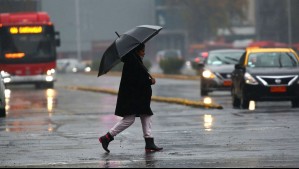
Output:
(78, 30)
(289, 22)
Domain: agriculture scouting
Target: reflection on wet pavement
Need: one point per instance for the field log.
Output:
(150, 160)
(28, 98)
(208, 122)
(39, 131)
(147, 160)
(29, 109)
(108, 162)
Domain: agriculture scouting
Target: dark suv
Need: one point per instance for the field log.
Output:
(269, 74)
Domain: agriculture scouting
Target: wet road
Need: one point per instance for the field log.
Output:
(60, 127)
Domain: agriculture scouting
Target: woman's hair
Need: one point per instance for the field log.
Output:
(140, 47)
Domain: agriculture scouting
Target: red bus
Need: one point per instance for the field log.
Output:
(28, 44)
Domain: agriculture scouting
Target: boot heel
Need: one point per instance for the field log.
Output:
(152, 150)
(150, 145)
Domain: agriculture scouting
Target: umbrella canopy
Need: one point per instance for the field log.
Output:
(126, 43)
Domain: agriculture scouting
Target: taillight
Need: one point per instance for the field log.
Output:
(197, 60)
(204, 54)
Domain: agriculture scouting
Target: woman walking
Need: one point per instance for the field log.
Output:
(134, 98)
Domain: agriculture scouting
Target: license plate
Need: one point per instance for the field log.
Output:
(227, 83)
(278, 89)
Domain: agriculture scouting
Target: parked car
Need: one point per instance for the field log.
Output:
(269, 74)
(71, 65)
(215, 72)
(194, 61)
(2, 98)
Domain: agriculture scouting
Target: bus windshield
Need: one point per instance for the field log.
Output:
(26, 48)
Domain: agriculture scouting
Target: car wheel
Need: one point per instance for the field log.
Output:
(203, 92)
(295, 103)
(49, 85)
(2, 113)
(38, 85)
(236, 102)
(245, 103)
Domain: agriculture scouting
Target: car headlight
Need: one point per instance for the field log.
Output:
(4, 74)
(208, 74)
(74, 70)
(49, 78)
(87, 69)
(51, 72)
(249, 79)
(6, 80)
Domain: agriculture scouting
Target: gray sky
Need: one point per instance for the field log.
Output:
(98, 19)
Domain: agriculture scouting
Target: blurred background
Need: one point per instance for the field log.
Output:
(190, 26)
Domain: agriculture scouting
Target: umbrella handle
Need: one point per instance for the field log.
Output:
(117, 34)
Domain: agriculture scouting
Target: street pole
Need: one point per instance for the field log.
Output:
(289, 22)
(78, 30)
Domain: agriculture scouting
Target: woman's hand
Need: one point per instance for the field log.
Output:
(153, 81)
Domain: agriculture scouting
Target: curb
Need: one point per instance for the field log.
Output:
(173, 100)
(155, 75)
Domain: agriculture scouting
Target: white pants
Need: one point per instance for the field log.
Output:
(129, 120)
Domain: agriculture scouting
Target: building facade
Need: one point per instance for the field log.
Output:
(276, 20)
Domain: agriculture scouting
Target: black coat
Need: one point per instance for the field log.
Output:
(135, 92)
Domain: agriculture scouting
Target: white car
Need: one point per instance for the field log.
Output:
(2, 98)
(71, 66)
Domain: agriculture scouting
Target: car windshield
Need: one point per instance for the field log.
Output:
(272, 59)
(224, 58)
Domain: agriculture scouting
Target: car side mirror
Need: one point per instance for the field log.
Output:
(57, 39)
(201, 66)
(239, 67)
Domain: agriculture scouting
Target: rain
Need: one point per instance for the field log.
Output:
(55, 108)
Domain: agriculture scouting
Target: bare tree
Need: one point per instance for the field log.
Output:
(204, 17)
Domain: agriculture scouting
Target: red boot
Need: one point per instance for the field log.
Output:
(105, 140)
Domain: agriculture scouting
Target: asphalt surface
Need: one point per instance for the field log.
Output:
(60, 128)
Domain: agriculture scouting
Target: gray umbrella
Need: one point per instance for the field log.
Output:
(126, 43)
